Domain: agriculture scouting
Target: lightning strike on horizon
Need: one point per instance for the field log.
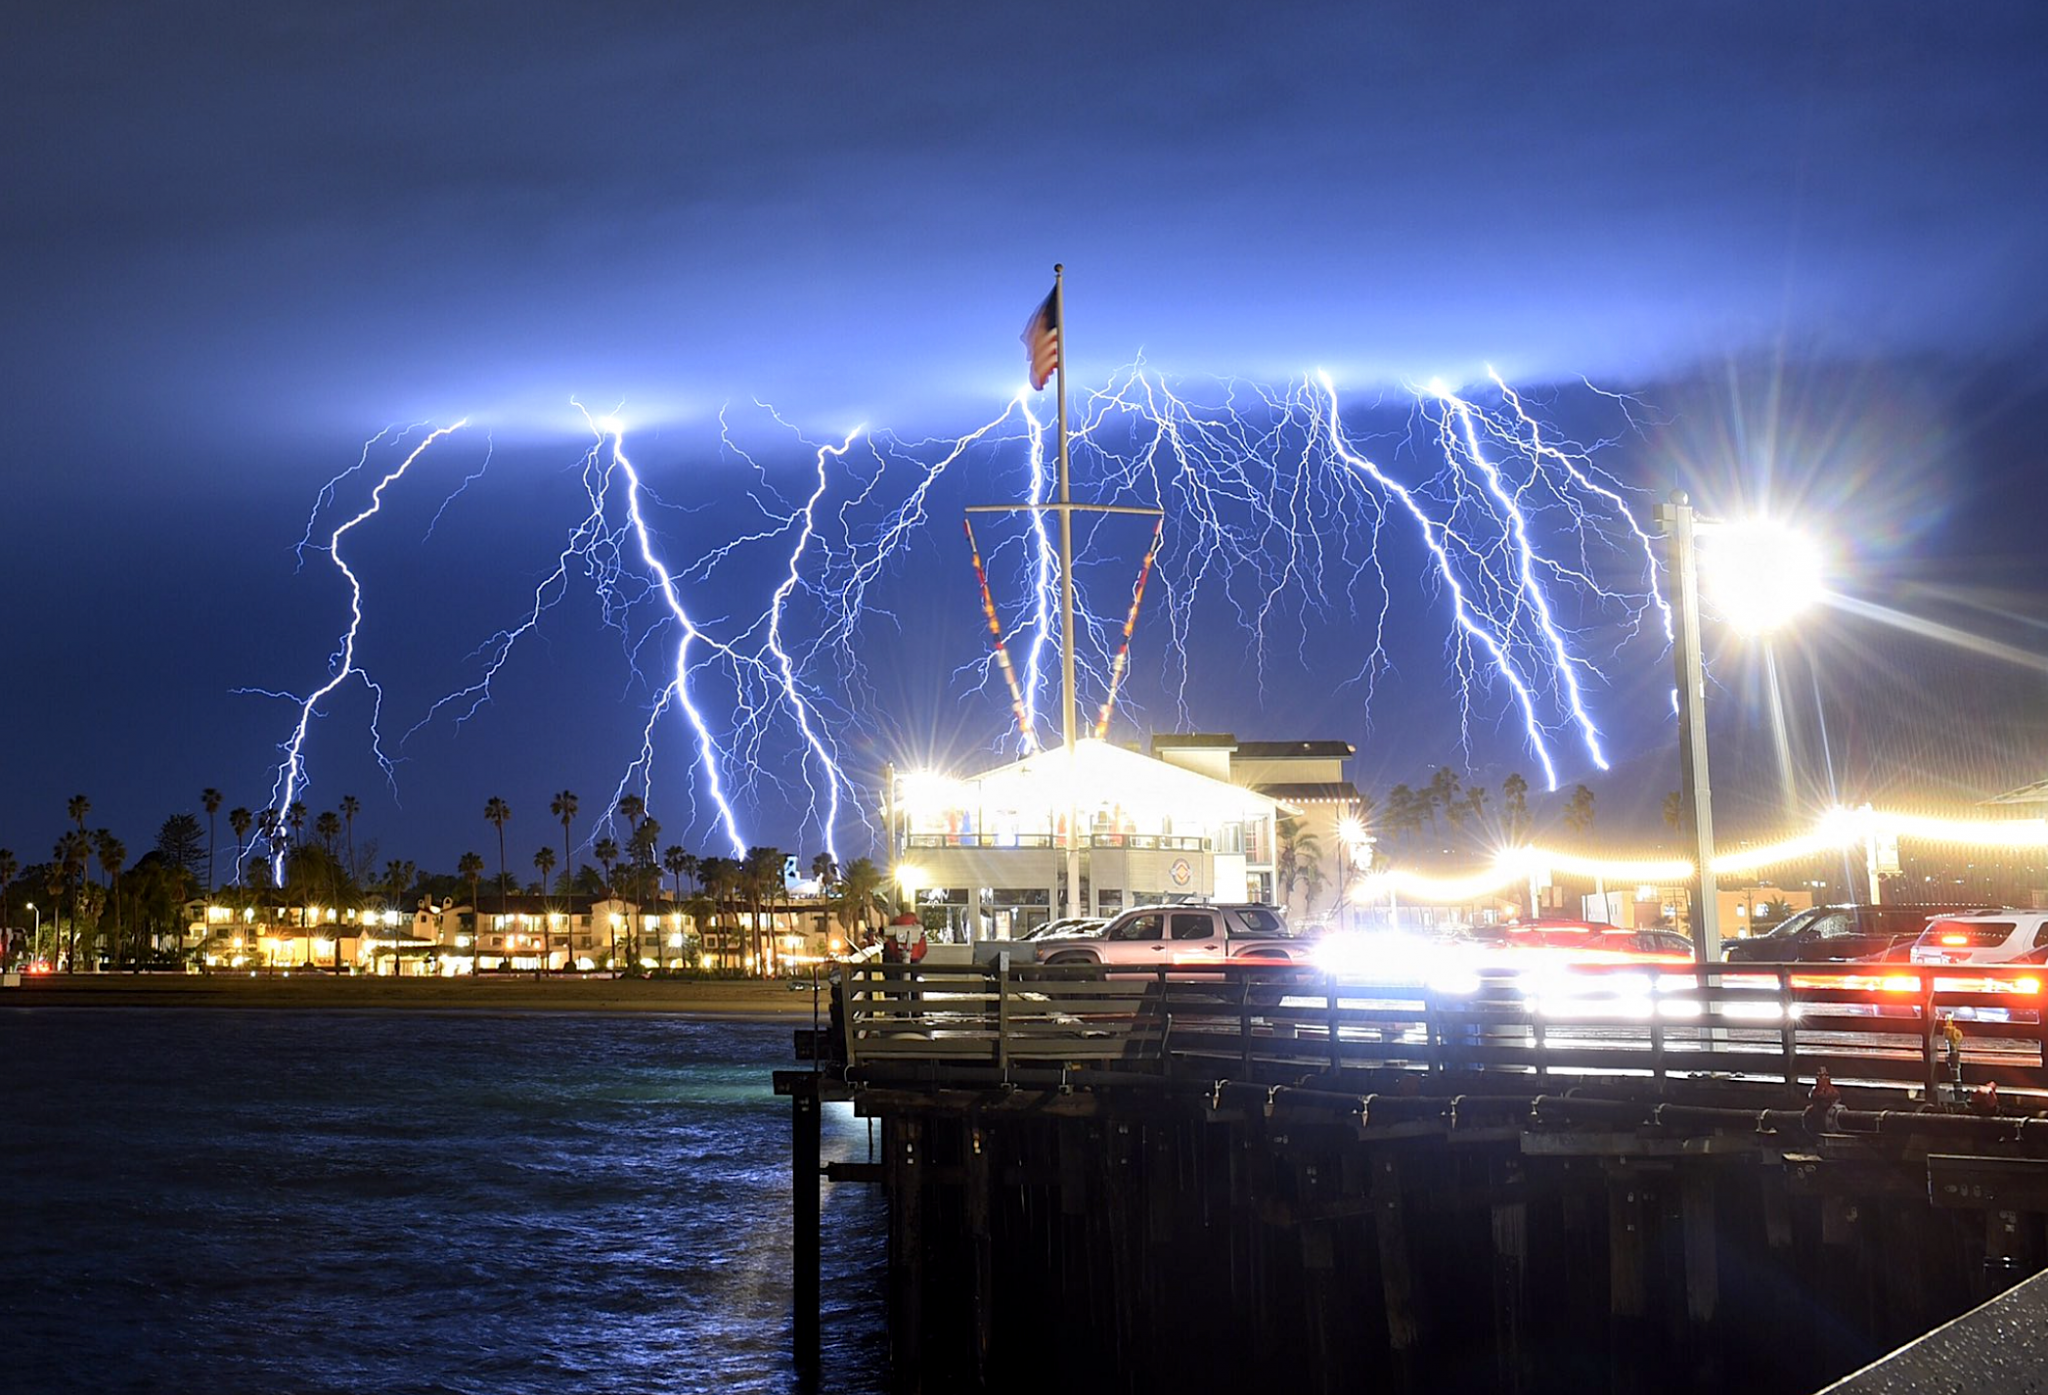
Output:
(1274, 512)
(291, 771)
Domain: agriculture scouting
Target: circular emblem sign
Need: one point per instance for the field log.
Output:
(1181, 872)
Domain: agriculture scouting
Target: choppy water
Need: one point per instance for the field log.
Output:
(268, 1201)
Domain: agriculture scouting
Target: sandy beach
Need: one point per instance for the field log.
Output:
(491, 993)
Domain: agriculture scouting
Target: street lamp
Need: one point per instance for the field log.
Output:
(1763, 575)
(37, 942)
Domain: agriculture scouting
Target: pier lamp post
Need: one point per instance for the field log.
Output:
(1761, 575)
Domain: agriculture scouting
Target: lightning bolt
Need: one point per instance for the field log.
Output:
(1276, 516)
(291, 772)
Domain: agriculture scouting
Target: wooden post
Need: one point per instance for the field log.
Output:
(1510, 1278)
(1627, 1288)
(804, 1209)
(904, 1164)
(1702, 1273)
(976, 1173)
(1397, 1280)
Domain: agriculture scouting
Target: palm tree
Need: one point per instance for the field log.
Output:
(470, 867)
(296, 817)
(8, 867)
(112, 858)
(497, 812)
(239, 820)
(69, 855)
(761, 874)
(1442, 792)
(544, 861)
(721, 876)
(860, 894)
(677, 862)
(606, 852)
(1514, 795)
(78, 806)
(645, 847)
(350, 807)
(824, 869)
(700, 909)
(398, 879)
(1300, 862)
(1578, 811)
(327, 828)
(632, 808)
(210, 800)
(563, 807)
(1674, 810)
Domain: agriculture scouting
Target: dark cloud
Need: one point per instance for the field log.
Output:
(240, 238)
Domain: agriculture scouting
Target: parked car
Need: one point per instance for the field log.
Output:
(1152, 935)
(1832, 934)
(1585, 941)
(1986, 937)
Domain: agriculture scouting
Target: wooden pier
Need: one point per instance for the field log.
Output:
(1738, 1177)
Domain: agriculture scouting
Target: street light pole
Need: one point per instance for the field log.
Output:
(1695, 795)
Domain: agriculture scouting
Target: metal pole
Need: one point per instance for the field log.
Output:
(1695, 794)
(1059, 316)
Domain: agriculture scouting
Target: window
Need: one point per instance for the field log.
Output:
(1191, 927)
(1968, 934)
(1138, 927)
(2041, 934)
(1257, 920)
(1836, 925)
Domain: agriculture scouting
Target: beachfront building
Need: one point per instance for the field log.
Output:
(263, 932)
(985, 855)
(1321, 844)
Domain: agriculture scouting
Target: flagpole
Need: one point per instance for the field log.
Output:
(1067, 719)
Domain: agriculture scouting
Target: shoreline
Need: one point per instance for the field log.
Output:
(771, 1001)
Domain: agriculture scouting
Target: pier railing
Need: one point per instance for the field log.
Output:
(1936, 1030)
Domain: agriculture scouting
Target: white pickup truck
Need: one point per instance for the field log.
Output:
(1180, 934)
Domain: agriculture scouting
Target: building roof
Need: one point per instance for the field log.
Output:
(1312, 792)
(1194, 740)
(1280, 750)
(2036, 793)
(1138, 781)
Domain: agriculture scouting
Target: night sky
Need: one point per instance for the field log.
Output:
(238, 241)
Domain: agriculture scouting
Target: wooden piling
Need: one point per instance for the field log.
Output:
(805, 1210)
(905, 1164)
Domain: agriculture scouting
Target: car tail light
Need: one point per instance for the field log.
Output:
(1955, 939)
(1900, 983)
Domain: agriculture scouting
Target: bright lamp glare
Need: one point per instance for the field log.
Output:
(1759, 573)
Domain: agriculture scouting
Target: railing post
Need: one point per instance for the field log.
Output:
(1656, 1038)
(1432, 1053)
(1244, 1021)
(1788, 1037)
(1003, 1011)
(1330, 1016)
(848, 982)
(1930, 1058)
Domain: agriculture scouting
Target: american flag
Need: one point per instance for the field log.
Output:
(1042, 340)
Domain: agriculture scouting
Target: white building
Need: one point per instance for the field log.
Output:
(987, 853)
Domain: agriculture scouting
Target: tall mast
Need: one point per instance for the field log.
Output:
(1066, 512)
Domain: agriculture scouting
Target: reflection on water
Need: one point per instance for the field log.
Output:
(257, 1201)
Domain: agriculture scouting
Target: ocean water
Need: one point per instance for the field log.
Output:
(227, 1201)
